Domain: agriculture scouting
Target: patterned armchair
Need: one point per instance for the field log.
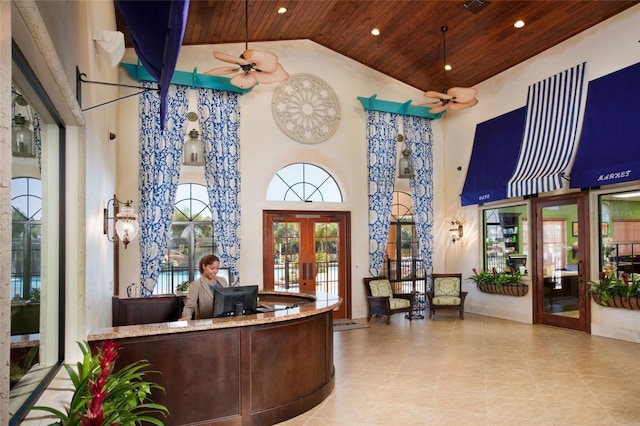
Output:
(446, 293)
(382, 301)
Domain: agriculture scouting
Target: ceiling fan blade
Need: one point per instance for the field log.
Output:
(244, 80)
(223, 71)
(265, 61)
(439, 108)
(272, 77)
(462, 94)
(457, 106)
(437, 95)
(229, 58)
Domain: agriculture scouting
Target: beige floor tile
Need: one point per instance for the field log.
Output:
(478, 371)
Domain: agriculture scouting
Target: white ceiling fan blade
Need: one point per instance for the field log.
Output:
(437, 95)
(244, 80)
(272, 77)
(462, 94)
(229, 58)
(439, 108)
(265, 61)
(223, 71)
(457, 106)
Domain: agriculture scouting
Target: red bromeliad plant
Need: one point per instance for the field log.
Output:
(610, 284)
(104, 396)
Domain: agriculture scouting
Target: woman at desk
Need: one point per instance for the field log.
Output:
(200, 295)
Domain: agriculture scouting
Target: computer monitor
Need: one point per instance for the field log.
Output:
(241, 300)
(515, 261)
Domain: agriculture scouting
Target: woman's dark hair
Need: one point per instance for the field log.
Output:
(207, 260)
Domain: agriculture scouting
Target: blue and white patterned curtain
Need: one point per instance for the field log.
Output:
(160, 159)
(382, 135)
(419, 140)
(219, 121)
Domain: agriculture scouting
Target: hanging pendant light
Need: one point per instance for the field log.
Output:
(193, 150)
(405, 164)
(22, 137)
(127, 225)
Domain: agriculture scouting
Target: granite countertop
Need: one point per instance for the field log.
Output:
(301, 305)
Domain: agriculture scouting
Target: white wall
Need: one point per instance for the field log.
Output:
(265, 149)
(607, 47)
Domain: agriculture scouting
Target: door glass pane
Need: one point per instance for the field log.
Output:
(286, 240)
(326, 256)
(560, 260)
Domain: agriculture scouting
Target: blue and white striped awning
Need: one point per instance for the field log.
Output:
(554, 112)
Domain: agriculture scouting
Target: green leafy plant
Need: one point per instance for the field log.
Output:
(611, 284)
(499, 278)
(182, 287)
(19, 368)
(104, 396)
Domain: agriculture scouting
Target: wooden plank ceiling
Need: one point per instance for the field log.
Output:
(410, 46)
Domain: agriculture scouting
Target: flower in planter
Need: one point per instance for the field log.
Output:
(499, 278)
(104, 396)
(611, 284)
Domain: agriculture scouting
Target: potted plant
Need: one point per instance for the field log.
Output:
(505, 282)
(183, 287)
(616, 291)
(106, 396)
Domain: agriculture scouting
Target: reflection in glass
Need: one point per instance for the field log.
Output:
(620, 232)
(506, 238)
(559, 262)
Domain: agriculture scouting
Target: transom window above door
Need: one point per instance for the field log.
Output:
(303, 182)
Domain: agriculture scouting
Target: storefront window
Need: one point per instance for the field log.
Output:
(506, 238)
(620, 231)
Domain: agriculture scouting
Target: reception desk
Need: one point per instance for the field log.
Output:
(253, 370)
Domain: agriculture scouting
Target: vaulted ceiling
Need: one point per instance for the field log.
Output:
(479, 44)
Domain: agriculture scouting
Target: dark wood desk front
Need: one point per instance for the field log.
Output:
(253, 370)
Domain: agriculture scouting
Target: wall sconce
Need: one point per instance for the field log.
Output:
(405, 164)
(457, 231)
(126, 221)
(22, 137)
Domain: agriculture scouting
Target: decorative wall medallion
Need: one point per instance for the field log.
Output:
(306, 108)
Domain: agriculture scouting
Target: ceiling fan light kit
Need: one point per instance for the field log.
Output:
(454, 98)
(252, 66)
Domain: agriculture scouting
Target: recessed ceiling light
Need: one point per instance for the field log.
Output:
(447, 67)
(519, 23)
(282, 10)
(375, 32)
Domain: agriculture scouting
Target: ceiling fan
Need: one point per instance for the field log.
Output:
(455, 98)
(252, 66)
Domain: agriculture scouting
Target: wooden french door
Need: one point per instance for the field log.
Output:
(308, 252)
(561, 241)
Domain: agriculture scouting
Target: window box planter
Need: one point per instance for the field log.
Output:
(617, 301)
(517, 290)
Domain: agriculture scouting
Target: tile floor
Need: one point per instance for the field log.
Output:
(478, 371)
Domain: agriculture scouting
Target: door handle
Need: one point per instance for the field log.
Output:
(304, 271)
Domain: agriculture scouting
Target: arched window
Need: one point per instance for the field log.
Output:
(303, 182)
(403, 261)
(190, 238)
(26, 235)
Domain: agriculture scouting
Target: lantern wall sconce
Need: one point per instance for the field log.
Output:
(22, 137)
(457, 231)
(125, 221)
(405, 164)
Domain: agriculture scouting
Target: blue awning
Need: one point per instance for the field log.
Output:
(493, 159)
(156, 29)
(554, 109)
(609, 149)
